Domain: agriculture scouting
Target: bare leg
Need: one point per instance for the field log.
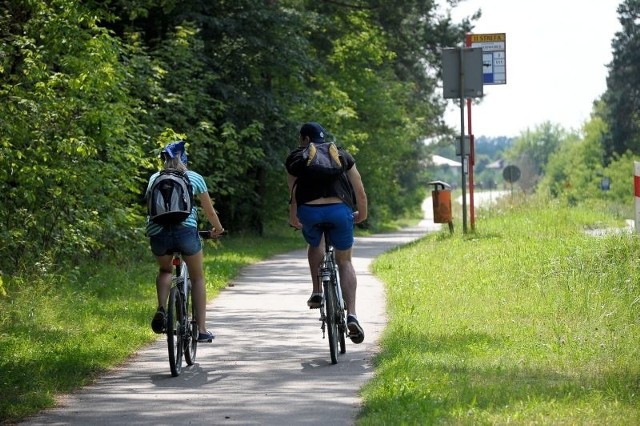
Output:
(315, 255)
(198, 288)
(163, 279)
(348, 279)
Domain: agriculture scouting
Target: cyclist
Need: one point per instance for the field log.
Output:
(164, 240)
(316, 201)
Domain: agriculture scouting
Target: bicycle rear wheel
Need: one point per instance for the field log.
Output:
(331, 305)
(174, 333)
(191, 327)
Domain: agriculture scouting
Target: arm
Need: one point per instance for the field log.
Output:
(210, 212)
(293, 205)
(361, 196)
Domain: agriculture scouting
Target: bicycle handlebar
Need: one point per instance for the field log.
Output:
(206, 235)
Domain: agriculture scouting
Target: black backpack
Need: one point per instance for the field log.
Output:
(170, 199)
(321, 161)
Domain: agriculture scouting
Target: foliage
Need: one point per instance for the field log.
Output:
(578, 173)
(574, 171)
(622, 97)
(67, 151)
(531, 152)
(89, 88)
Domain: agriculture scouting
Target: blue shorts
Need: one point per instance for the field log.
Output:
(178, 238)
(339, 214)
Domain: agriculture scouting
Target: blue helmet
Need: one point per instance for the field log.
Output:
(175, 149)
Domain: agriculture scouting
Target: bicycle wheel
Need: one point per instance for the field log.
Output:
(340, 316)
(191, 326)
(331, 305)
(174, 335)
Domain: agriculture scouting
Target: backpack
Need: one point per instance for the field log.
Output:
(170, 198)
(322, 161)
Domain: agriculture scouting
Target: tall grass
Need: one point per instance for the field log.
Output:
(528, 320)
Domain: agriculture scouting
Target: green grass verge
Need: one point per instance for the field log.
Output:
(527, 320)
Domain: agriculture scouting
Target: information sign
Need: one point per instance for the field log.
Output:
(494, 58)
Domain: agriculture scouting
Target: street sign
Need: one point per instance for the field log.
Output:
(494, 57)
(470, 72)
(511, 174)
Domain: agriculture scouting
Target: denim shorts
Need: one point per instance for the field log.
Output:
(339, 214)
(178, 238)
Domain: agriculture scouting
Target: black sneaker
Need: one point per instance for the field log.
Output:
(356, 333)
(206, 337)
(159, 321)
(315, 301)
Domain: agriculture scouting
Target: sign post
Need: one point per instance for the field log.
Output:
(636, 184)
(494, 71)
(462, 78)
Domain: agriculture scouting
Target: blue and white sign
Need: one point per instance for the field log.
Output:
(494, 57)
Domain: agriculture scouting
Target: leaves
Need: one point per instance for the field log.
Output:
(91, 90)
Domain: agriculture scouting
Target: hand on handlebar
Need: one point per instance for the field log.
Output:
(212, 233)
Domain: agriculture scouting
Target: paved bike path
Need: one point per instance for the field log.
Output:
(268, 365)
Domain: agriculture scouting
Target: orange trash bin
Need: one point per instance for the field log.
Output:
(441, 196)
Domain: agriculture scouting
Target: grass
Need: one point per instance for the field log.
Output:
(527, 320)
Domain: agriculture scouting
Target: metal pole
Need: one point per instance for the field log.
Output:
(636, 186)
(472, 155)
(462, 153)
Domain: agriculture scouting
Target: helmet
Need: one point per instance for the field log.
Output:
(175, 149)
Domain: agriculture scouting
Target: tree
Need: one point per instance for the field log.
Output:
(531, 152)
(622, 97)
(67, 154)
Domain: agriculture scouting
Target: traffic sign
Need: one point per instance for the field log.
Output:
(511, 174)
(462, 64)
(494, 56)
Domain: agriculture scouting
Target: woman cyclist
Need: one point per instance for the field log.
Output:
(183, 237)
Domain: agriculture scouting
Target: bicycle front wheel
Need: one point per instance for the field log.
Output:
(174, 332)
(331, 305)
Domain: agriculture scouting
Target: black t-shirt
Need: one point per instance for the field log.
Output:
(308, 188)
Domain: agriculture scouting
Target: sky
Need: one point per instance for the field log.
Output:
(556, 57)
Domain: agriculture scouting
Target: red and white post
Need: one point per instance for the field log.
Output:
(636, 190)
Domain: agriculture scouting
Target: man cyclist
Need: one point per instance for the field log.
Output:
(315, 201)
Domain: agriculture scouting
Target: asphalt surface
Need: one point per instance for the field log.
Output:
(269, 364)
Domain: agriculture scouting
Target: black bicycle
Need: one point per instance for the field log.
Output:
(332, 310)
(182, 327)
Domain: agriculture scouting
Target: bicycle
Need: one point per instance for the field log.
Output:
(332, 310)
(182, 327)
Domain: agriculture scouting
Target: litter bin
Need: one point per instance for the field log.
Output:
(441, 196)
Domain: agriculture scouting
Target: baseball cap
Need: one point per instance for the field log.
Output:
(175, 149)
(314, 131)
